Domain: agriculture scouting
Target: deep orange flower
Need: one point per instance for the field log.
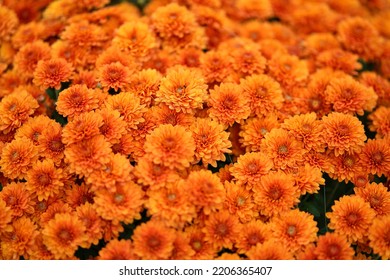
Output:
(114, 76)
(351, 217)
(27, 33)
(346, 166)
(77, 99)
(18, 198)
(338, 59)
(50, 73)
(113, 127)
(221, 229)
(307, 178)
(295, 229)
(333, 246)
(145, 84)
(375, 156)
(250, 167)
(153, 241)
(113, 55)
(164, 115)
(17, 158)
(171, 146)
(252, 9)
(276, 193)
(56, 207)
(182, 249)
(228, 104)
(44, 179)
(8, 23)
(122, 205)
(248, 60)
(33, 128)
(197, 240)
(92, 222)
(379, 233)
(50, 142)
(269, 250)
(5, 216)
(205, 190)
(264, 93)
(15, 109)
(77, 195)
(27, 58)
(253, 233)
(379, 84)
(343, 133)
(125, 146)
(83, 35)
(63, 234)
(182, 89)
(92, 4)
(377, 196)
(216, 67)
(282, 148)
(211, 141)
(349, 96)
(171, 205)
(380, 121)
(117, 250)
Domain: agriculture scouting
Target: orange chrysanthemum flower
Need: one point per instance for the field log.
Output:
(307, 178)
(346, 166)
(252, 9)
(44, 179)
(216, 67)
(253, 130)
(211, 141)
(205, 190)
(56, 207)
(351, 217)
(15, 109)
(114, 76)
(51, 73)
(77, 99)
(50, 142)
(379, 84)
(63, 234)
(295, 229)
(182, 89)
(343, 133)
(145, 84)
(269, 250)
(202, 248)
(92, 222)
(239, 202)
(8, 23)
(282, 148)
(77, 195)
(349, 96)
(253, 233)
(117, 250)
(171, 146)
(248, 60)
(379, 233)
(182, 249)
(170, 205)
(33, 128)
(17, 158)
(333, 246)
(250, 167)
(113, 127)
(27, 58)
(164, 115)
(377, 196)
(228, 104)
(123, 205)
(18, 198)
(5, 216)
(265, 94)
(380, 122)
(221, 229)
(153, 241)
(375, 156)
(276, 193)
(338, 59)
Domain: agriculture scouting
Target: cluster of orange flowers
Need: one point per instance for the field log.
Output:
(195, 127)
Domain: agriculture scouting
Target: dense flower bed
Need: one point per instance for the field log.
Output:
(194, 129)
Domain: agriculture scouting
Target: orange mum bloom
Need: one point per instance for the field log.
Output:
(282, 148)
(253, 9)
(27, 58)
(50, 73)
(248, 60)
(250, 167)
(33, 128)
(269, 250)
(153, 241)
(182, 89)
(63, 234)
(351, 217)
(295, 229)
(182, 249)
(114, 76)
(171, 146)
(379, 84)
(239, 202)
(82, 127)
(276, 193)
(117, 250)
(216, 67)
(15, 109)
(5, 216)
(123, 205)
(349, 96)
(170, 205)
(338, 59)
(307, 178)
(346, 166)
(17, 158)
(378, 235)
(135, 38)
(221, 229)
(211, 141)
(205, 190)
(253, 233)
(77, 195)
(253, 130)
(380, 121)
(197, 240)
(377, 196)
(50, 142)
(8, 23)
(44, 179)
(333, 246)
(343, 133)
(145, 84)
(164, 115)
(92, 222)
(18, 198)
(114, 127)
(375, 156)
(264, 93)
(77, 99)
(228, 104)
